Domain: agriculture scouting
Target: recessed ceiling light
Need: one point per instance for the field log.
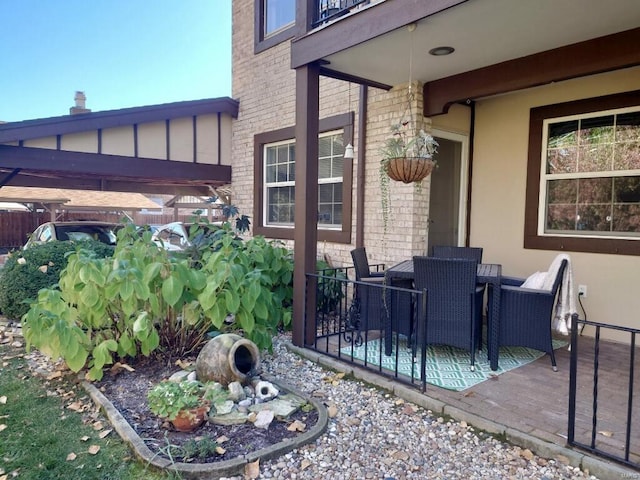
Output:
(440, 51)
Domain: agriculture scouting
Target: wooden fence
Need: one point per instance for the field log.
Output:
(15, 227)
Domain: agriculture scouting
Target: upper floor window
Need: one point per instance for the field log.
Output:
(583, 180)
(591, 180)
(274, 22)
(278, 14)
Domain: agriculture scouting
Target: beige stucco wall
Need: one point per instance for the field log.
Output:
(498, 197)
(117, 141)
(80, 142)
(265, 86)
(181, 139)
(46, 142)
(152, 141)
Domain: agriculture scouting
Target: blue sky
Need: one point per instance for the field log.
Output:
(121, 53)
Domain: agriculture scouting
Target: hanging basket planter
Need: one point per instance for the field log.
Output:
(409, 169)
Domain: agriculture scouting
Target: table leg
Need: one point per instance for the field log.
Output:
(493, 330)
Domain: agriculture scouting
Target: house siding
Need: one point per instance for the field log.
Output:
(498, 197)
(264, 84)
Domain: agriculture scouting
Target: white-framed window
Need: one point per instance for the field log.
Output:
(590, 175)
(279, 181)
(278, 15)
(280, 176)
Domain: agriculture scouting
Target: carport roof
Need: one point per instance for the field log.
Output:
(42, 167)
(78, 199)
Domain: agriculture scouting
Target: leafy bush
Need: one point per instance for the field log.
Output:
(28, 271)
(251, 282)
(329, 292)
(144, 299)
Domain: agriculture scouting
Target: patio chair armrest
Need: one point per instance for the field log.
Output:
(515, 290)
(377, 274)
(376, 269)
(379, 280)
(513, 281)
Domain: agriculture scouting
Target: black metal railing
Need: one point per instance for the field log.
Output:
(329, 10)
(351, 319)
(594, 421)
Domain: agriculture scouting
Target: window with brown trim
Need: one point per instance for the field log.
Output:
(274, 22)
(274, 192)
(583, 176)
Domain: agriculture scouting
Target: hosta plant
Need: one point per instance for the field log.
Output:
(143, 299)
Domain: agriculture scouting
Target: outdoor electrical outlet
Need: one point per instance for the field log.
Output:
(582, 290)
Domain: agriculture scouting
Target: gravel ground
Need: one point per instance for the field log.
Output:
(374, 435)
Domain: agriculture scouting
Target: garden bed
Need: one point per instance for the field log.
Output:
(224, 449)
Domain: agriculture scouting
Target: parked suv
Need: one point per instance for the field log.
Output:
(104, 232)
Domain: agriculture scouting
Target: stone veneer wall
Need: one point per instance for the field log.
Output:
(264, 84)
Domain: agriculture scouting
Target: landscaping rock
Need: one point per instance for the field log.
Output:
(264, 419)
(282, 409)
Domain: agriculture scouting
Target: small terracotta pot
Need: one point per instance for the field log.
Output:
(190, 419)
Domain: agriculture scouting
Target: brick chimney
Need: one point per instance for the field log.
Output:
(79, 107)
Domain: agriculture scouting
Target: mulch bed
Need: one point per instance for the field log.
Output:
(128, 393)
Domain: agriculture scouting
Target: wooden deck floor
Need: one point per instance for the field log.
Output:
(534, 399)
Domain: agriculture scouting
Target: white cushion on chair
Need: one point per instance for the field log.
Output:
(536, 281)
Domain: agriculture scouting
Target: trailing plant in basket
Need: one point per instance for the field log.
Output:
(404, 144)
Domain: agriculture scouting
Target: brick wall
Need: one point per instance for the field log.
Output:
(264, 84)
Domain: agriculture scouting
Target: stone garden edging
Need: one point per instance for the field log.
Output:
(224, 468)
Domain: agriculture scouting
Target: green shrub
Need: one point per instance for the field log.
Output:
(329, 292)
(144, 299)
(28, 271)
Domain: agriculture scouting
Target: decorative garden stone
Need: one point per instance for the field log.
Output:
(236, 392)
(265, 390)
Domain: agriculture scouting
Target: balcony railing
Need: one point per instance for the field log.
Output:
(595, 423)
(329, 10)
(599, 422)
(350, 321)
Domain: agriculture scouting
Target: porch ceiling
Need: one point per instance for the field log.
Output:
(483, 33)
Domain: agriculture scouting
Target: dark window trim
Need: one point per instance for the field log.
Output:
(537, 115)
(262, 43)
(343, 121)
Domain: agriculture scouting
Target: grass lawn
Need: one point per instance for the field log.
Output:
(50, 429)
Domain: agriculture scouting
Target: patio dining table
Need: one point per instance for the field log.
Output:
(487, 273)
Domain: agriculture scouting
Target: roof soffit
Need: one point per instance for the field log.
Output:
(483, 33)
(47, 127)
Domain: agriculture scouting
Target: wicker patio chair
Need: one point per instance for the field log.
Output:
(445, 251)
(368, 301)
(526, 314)
(453, 303)
(448, 251)
(361, 264)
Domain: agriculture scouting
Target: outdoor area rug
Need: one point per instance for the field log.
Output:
(448, 367)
